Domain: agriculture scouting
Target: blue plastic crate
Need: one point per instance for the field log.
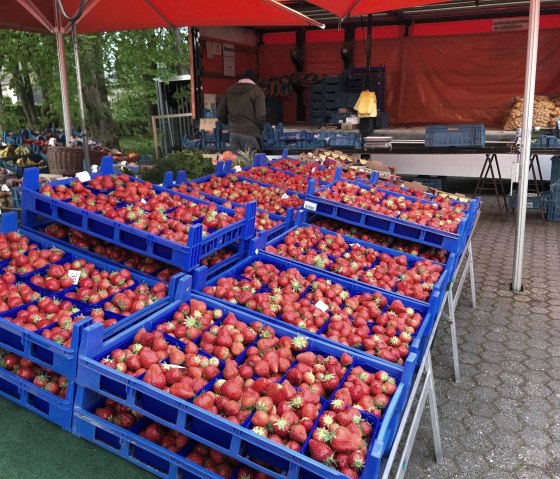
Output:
(554, 169)
(431, 181)
(553, 213)
(438, 288)
(222, 169)
(186, 256)
(428, 311)
(50, 354)
(394, 226)
(532, 201)
(129, 445)
(236, 441)
(50, 407)
(469, 135)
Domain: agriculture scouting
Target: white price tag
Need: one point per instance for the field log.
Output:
(237, 168)
(74, 274)
(5, 188)
(83, 176)
(143, 201)
(173, 366)
(257, 251)
(322, 306)
(309, 205)
(285, 196)
(313, 170)
(124, 163)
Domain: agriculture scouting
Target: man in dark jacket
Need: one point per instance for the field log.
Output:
(243, 109)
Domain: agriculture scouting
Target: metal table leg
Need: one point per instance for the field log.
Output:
(428, 391)
(454, 346)
(471, 274)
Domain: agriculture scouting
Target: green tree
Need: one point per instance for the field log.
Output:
(118, 71)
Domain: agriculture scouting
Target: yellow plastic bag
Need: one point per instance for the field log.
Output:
(366, 106)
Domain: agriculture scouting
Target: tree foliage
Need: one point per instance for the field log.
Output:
(118, 71)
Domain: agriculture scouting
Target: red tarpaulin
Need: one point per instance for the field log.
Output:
(354, 8)
(104, 15)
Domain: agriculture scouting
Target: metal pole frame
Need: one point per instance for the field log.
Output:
(529, 100)
(63, 75)
(87, 163)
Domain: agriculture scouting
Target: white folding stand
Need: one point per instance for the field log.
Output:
(425, 377)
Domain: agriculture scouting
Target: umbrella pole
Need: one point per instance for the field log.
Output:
(522, 186)
(87, 163)
(64, 86)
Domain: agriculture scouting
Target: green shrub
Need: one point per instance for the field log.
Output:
(192, 161)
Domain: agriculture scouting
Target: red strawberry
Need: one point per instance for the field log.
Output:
(154, 433)
(321, 452)
(176, 356)
(306, 358)
(345, 359)
(182, 390)
(262, 368)
(148, 357)
(205, 400)
(277, 392)
(343, 440)
(298, 433)
(154, 376)
(232, 388)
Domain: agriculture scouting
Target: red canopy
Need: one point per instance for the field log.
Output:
(353, 8)
(115, 15)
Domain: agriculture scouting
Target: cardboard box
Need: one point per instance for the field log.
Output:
(209, 101)
(208, 124)
(380, 166)
(414, 184)
(345, 110)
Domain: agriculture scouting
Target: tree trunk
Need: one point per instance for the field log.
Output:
(182, 65)
(99, 120)
(24, 91)
(2, 109)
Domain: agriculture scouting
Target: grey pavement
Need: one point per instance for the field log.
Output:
(502, 421)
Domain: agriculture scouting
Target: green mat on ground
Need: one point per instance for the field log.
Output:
(33, 448)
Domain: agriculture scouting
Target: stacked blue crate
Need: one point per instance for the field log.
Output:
(38, 207)
(50, 354)
(97, 381)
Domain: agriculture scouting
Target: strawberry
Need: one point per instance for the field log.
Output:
(357, 460)
(260, 419)
(271, 357)
(176, 356)
(155, 377)
(343, 440)
(154, 433)
(147, 357)
(299, 344)
(172, 375)
(345, 359)
(232, 388)
(306, 358)
(281, 427)
(133, 362)
(276, 392)
(182, 390)
(230, 370)
(321, 452)
(262, 368)
(298, 433)
(205, 400)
